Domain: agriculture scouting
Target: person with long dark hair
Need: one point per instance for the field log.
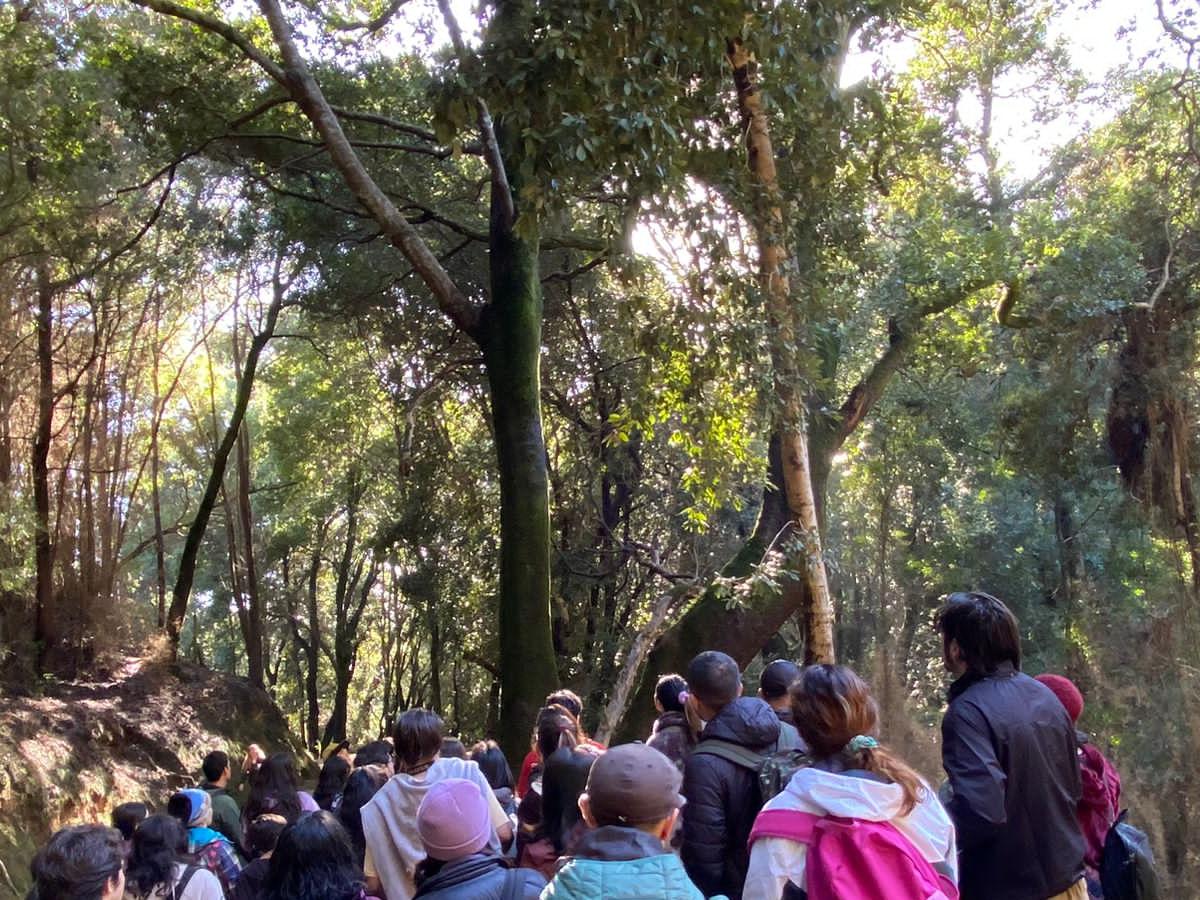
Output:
(853, 779)
(160, 868)
(313, 860)
(672, 734)
(332, 782)
(494, 765)
(274, 788)
(363, 784)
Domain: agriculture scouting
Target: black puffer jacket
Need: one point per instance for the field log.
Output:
(723, 798)
(1008, 747)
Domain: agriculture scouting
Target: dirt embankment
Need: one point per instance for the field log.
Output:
(76, 749)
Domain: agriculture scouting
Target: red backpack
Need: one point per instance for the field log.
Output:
(855, 859)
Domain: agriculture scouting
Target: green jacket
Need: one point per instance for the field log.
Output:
(227, 818)
(621, 864)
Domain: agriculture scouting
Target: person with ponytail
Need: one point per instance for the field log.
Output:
(852, 777)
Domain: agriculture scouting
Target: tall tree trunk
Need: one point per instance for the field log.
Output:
(254, 613)
(195, 536)
(791, 414)
(160, 550)
(511, 337)
(47, 632)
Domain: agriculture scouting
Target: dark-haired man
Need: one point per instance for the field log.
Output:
(227, 817)
(773, 686)
(1008, 748)
(720, 778)
(83, 862)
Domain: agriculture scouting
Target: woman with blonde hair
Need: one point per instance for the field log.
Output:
(858, 803)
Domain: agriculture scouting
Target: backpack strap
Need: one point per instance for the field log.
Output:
(790, 824)
(182, 883)
(734, 753)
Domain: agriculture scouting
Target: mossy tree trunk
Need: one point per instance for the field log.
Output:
(511, 337)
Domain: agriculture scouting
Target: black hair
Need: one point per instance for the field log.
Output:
(564, 778)
(332, 782)
(452, 747)
(364, 783)
(273, 789)
(556, 728)
(214, 765)
(314, 860)
(263, 833)
(667, 692)
(494, 765)
(568, 700)
(159, 843)
(127, 817)
(985, 629)
(180, 807)
(777, 677)
(77, 863)
(376, 753)
(418, 738)
(714, 678)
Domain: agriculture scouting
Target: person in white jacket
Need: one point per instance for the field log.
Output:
(852, 777)
(389, 819)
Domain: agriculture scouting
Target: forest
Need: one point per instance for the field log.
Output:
(392, 353)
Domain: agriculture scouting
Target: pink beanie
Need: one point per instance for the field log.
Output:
(453, 820)
(1066, 692)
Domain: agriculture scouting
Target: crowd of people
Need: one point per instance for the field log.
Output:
(788, 794)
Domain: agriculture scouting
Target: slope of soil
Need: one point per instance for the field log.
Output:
(77, 749)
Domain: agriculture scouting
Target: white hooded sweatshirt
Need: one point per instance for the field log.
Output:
(390, 823)
(776, 861)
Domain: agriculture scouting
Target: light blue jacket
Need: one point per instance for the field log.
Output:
(618, 863)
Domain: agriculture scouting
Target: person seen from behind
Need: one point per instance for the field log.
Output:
(546, 828)
(393, 844)
(80, 862)
(494, 765)
(630, 804)
(376, 753)
(313, 860)
(274, 788)
(455, 827)
(720, 780)
(671, 735)
(1009, 751)
(853, 777)
(261, 836)
(332, 781)
(212, 849)
(773, 686)
(363, 784)
(160, 867)
(227, 817)
(1100, 801)
(571, 702)
(126, 818)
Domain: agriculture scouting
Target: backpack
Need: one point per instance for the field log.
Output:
(1127, 866)
(774, 768)
(855, 859)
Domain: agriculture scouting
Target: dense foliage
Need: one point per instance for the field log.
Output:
(207, 305)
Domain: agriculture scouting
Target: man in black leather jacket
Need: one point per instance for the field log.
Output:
(723, 797)
(1008, 748)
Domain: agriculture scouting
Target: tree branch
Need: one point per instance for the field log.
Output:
(404, 236)
(218, 27)
(501, 189)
